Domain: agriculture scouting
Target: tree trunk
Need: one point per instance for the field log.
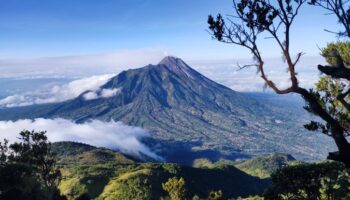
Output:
(337, 131)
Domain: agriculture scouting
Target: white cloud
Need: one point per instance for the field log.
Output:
(90, 96)
(114, 135)
(101, 93)
(222, 71)
(59, 93)
(106, 93)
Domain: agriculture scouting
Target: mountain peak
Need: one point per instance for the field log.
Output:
(170, 60)
(178, 66)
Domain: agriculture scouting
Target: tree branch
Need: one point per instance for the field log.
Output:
(335, 72)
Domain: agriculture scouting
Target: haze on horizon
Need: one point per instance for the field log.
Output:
(77, 39)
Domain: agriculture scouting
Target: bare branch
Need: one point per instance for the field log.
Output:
(245, 66)
(299, 55)
(253, 17)
(337, 7)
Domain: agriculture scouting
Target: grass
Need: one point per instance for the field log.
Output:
(264, 166)
(72, 188)
(135, 173)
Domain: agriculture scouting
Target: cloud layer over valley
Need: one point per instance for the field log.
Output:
(59, 93)
(114, 135)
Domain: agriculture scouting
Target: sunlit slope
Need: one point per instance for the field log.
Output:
(99, 177)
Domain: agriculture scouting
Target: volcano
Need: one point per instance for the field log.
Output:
(186, 112)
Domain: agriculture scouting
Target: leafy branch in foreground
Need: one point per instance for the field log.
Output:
(318, 181)
(176, 188)
(28, 168)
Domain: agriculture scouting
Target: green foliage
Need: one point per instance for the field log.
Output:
(28, 168)
(261, 166)
(176, 188)
(3, 152)
(203, 163)
(335, 50)
(17, 182)
(215, 195)
(83, 154)
(320, 181)
(125, 180)
(84, 196)
(72, 188)
(171, 168)
(35, 150)
(251, 198)
(328, 91)
(136, 187)
(105, 180)
(195, 197)
(264, 166)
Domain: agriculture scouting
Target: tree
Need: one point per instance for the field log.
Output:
(3, 152)
(310, 182)
(84, 196)
(29, 167)
(215, 195)
(251, 198)
(175, 188)
(18, 182)
(136, 188)
(330, 91)
(340, 9)
(333, 88)
(196, 197)
(256, 18)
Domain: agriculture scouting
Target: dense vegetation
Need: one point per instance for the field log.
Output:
(318, 181)
(35, 169)
(264, 166)
(28, 169)
(260, 166)
(123, 178)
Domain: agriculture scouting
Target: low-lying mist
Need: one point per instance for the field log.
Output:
(113, 135)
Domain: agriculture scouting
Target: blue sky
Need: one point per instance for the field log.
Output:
(73, 39)
(49, 28)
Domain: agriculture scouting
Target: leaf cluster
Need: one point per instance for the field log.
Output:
(29, 160)
(310, 182)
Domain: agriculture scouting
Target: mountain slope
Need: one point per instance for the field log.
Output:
(72, 153)
(264, 166)
(124, 179)
(143, 181)
(187, 112)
